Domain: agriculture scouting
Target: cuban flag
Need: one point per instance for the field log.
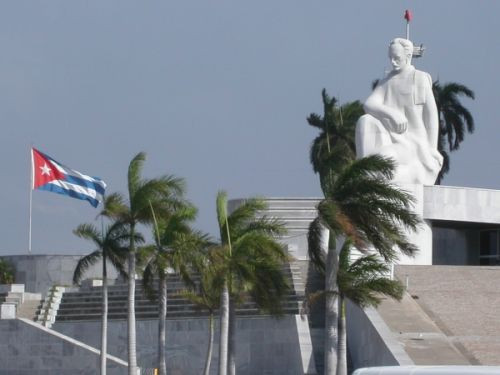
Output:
(47, 174)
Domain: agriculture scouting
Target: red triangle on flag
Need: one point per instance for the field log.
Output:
(43, 170)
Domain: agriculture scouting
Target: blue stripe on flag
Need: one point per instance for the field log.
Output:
(59, 190)
(97, 185)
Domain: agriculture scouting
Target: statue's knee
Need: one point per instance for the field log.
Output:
(365, 119)
(364, 123)
(370, 136)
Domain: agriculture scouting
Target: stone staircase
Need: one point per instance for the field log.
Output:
(16, 303)
(296, 214)
(85, 304)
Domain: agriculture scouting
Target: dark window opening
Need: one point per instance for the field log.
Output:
(489, 254)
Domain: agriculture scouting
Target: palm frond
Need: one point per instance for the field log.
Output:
(365, 280)
(454, 88)
(314, 241)
(134, 174)
(84, 264)
(454, 119)
(445, 168)
(114, 206)
(371, 166)
(328, 211)
(315, 120)
(118, 258)
(157, 192)
(177, 222)
(196, 300)
(89, 232)
(264, 225)
(221, 207)
(148, 277)
(246, 212)
(271, 288)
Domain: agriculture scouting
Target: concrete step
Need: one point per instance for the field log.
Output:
(85, 309)
(291, 213)
(154, 315)
(290, 203)
(97, 298)
(28, 309)
(124, 289)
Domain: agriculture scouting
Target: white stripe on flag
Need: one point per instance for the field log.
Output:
(78, 189)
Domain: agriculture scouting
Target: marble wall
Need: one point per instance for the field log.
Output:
(27, 348)
(264, 345)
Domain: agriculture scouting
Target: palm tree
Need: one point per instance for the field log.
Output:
(206, 296)
(360, 203)
(330, 151)
(109, 247)
(176, 247)
(160, 193)
(335, 143)
(249, 261)
(363, 281)
(454, 119)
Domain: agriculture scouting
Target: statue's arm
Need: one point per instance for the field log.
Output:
(430, 115)
(391, 118)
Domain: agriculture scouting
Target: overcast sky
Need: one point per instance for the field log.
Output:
(213, 91)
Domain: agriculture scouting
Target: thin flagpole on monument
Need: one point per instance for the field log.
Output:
(31, 196)
(408, 17)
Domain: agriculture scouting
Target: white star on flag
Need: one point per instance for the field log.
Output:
(45, 169)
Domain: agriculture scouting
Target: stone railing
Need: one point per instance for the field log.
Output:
(48, 311)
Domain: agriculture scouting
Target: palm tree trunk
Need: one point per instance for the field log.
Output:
(132, 355)
(331, 310)
(104, 324)
(231, 359)
(206, 371)
(162, 326)
(342, 349)
(224, 329)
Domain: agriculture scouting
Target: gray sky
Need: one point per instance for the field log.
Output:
(214, 91)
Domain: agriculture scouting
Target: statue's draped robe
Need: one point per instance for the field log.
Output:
(418, 162)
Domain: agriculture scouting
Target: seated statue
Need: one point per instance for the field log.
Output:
(401, 120)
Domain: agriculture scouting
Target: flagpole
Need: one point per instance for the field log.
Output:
(408, 17)
(31, 198)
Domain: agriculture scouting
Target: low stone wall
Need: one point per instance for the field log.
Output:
(27, 348)
(40, 272)
(370, 342)
(265, 345)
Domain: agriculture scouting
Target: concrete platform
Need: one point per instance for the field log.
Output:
(464, 303)
(420, 337)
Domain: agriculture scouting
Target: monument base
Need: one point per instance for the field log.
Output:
(422, 238)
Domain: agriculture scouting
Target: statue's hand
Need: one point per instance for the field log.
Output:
(399, 123)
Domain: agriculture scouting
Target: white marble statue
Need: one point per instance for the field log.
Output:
(401, 120)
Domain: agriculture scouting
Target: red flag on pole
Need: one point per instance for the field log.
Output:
(408, 15)
(43, 170)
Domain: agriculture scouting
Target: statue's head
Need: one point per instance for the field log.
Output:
(400, 53)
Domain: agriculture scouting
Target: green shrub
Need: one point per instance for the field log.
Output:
(7, 272)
